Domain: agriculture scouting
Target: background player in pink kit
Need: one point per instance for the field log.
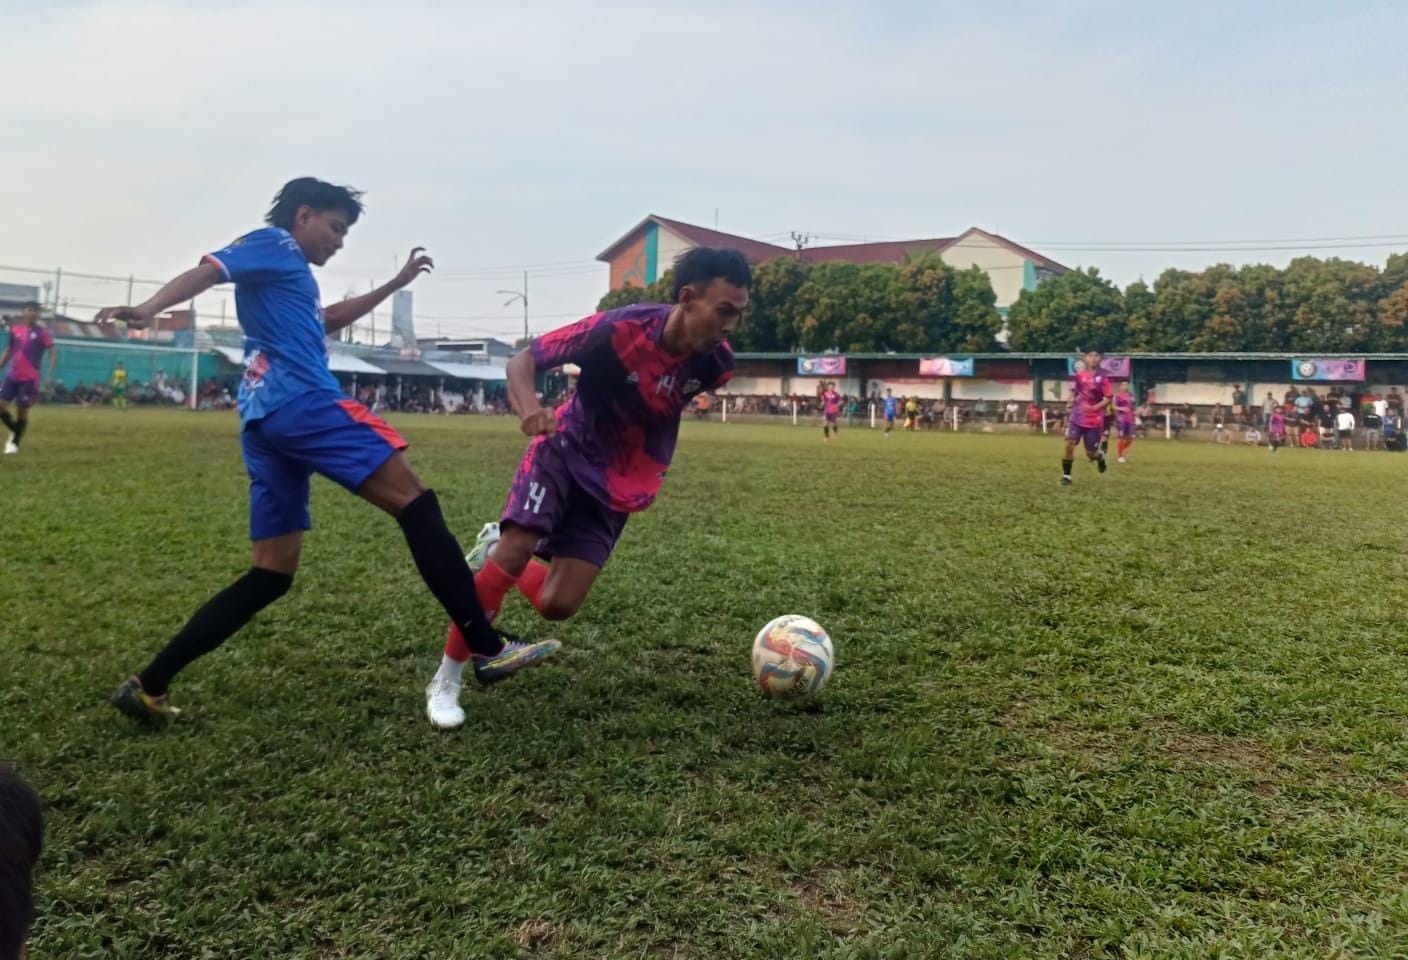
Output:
(29, 340)
(603, 454)
(1276, 429)
(1088, 403)
(830, 412)
(1123, 404)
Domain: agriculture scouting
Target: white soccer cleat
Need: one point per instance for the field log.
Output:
(488, 536)
(11, 446)
(442, 704)
(1121, 460)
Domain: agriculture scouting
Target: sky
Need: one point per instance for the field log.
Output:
(530, 135)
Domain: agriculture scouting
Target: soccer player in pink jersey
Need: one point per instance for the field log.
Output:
(1088, 402)
(29, 340)
(1276, 429)
(602, 455)
(830, 412)
(1123, 405)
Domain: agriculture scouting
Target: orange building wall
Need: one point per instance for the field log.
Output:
(628, 266)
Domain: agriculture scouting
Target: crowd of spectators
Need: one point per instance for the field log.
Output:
(417, 398)
(158, 391)
(1336, 418)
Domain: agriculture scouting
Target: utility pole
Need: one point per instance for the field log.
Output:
(801, 240)
(519, 295)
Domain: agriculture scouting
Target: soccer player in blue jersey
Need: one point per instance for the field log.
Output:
(891, 408)
(295, 421)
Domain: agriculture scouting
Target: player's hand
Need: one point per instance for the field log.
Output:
(134, 317)
(540, 423)
(419, 262)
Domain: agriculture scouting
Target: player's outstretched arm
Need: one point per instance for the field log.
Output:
(187, 286)
(339, 315)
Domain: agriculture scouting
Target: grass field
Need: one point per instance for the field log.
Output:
(1159, 714)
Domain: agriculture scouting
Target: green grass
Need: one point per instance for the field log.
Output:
(1158, 714)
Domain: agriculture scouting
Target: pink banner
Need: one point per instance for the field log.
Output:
(1116, 368)
(821, 366)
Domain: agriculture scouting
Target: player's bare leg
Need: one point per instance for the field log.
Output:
(491, 584)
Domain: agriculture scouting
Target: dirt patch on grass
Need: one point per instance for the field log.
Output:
(821, 891)
(537, 935)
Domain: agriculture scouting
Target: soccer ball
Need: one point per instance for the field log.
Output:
(793, 658)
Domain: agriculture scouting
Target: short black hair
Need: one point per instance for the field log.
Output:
(315, 193)
(21, 839)
(703, 264)
(32, 305)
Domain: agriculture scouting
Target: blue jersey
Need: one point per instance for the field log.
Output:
(276, 298)
(891, 405)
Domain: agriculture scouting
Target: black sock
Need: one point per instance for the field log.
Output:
(7, 420)
(20, 427)
(1105, 445)
(213, 624)
(1066, 467)
(443, 568)
(826, 431)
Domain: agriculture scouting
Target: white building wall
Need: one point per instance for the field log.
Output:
(668, 246)
(1006, 270)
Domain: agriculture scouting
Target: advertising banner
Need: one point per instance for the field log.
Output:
(946, 367)
(1316, 368)
(821, 366)
(1116, 368)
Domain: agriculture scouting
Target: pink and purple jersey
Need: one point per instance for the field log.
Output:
(1276, 426)
(27, 346)
(1124, 408)
(832, 401)
(1090, 389)
(623, 421)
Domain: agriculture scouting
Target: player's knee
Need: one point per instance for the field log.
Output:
(554, 606)
(514, 551)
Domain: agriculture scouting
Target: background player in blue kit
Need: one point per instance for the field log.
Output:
(295, 421)
(892, 407)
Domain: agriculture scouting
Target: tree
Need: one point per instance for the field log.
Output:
(1332, 305)
(771, 321)
(976, 322)
(1076, 310)
(1139, 303)
(657, 292)
(1393, 320)
(847, 307)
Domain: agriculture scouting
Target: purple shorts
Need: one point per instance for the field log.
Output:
(1126, 429)
(830, 418)
(546, 499)
(23, 392)
(1090, 435)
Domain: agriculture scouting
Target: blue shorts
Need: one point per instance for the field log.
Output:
(322, 432)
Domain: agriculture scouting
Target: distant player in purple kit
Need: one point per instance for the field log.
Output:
(1125, 423)
(295, 421)
(603, 454)
(1088, 402)
(831, 410)
(29, 340)
(1276, 429)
